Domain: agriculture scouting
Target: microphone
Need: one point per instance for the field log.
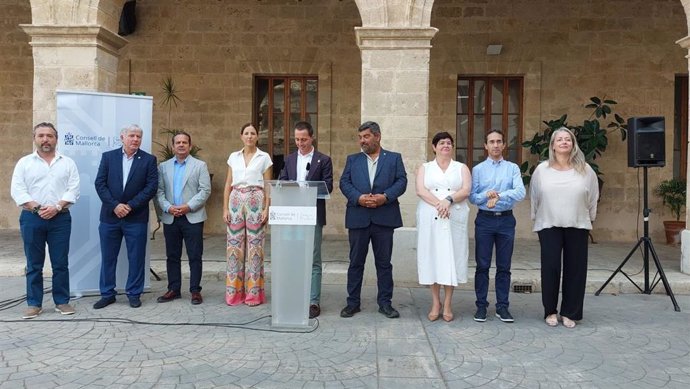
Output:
(308, 166)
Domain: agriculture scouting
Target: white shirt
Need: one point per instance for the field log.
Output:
(126, 166)
(302, 161)
(563, 198)
(34, 179)
(371, 165)
(253, 173)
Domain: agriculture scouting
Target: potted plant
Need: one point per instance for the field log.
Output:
(673, 195)
(166, 151)
(169, 99)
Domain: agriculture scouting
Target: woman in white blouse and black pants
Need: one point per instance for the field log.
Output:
(564, 191)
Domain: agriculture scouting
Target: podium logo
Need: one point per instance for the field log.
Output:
(292, 215)
(69, 139)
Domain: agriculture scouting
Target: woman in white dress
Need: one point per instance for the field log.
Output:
(443, 186)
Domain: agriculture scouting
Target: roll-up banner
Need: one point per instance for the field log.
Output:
(89, 124)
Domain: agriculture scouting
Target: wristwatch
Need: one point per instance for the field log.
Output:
(58, 207)
(450, 199)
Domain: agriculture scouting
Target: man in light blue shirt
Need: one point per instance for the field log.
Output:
(184, 186)
(496, 187)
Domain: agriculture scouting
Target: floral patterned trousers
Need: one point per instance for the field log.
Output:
(244, 282)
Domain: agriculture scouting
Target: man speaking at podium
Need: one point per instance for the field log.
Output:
(307, 164)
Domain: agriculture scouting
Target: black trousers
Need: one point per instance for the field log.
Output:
(193, 236)
(570, 244)
(381, 238)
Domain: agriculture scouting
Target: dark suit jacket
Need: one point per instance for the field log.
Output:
(320, 169)
(141, 186)
(390, 179)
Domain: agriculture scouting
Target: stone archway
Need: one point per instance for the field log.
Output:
(75, 46)
(104, 13)
(395, 13)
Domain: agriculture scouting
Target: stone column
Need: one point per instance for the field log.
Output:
(685, 235)
(79, 57)
(395, 93)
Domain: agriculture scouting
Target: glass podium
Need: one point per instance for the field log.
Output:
(292, 216)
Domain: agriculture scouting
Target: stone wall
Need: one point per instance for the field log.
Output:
(212, 50)
(16, 96)
(569, 51)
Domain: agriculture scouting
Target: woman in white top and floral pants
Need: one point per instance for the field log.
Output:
(245, 211)
(564, 193)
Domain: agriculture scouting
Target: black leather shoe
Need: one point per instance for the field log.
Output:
(349, 311)
(314, 311)
(103, 302)
(134, 301)
(196, 298)
(389, 312)
(168, 296)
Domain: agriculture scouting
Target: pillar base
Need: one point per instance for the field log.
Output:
(685, 251)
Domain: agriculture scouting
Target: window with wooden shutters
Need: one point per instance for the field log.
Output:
(485, 103)
(279, 103)
(680, 128)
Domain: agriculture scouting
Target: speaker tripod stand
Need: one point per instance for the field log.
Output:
(648, 247)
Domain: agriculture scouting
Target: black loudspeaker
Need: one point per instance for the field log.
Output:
(646, 142)
(128, 18)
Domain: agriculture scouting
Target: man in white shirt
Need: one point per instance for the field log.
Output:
(45, 183)
(307, 164)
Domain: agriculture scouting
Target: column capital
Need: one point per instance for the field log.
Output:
(385, 38)
(74, 36)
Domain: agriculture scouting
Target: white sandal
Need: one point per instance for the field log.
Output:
(567, 323)
(551, 320)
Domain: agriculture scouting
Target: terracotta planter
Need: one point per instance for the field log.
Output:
(673, 229)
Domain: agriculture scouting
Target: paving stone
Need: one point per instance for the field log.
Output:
(406, 366)
(404, 346)
(629, 341)
(410, 383)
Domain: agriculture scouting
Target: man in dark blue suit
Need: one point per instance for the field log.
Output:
(372, 182)
(127, 180)
(307, 164)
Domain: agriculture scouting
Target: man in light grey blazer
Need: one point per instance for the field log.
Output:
(184, 185)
